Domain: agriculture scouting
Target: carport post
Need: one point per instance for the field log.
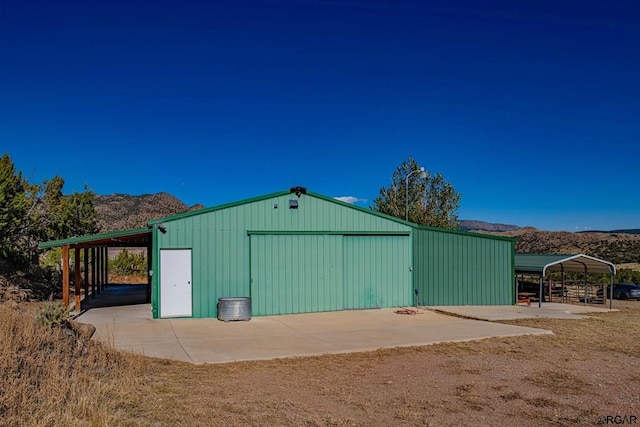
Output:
(611, 291)
(564, 279)
(585, 284)
(98, 270)
(76, 278)
(540, 299)
(106, 265)
(101, 268)
(104, 268)
(149, 267)
(93, 272)
(86, 274)
(65, 275)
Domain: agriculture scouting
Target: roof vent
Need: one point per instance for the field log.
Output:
(298, 190)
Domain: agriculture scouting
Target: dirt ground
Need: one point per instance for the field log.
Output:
(588, 371)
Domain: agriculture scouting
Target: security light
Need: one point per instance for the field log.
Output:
(423, 174)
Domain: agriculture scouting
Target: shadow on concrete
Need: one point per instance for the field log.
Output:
(550, 310)
(117, 295)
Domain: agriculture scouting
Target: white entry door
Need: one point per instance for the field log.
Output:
(175, 283)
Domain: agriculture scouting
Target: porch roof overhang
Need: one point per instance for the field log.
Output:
(140, 237)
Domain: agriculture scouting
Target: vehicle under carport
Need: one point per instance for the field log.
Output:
(541, 264)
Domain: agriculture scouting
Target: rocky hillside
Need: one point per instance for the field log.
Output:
(122, 211)
(473, 225)
(614, 247)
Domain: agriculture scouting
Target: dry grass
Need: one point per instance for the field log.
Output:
(50, 377)
(629, 265)
(582, 372)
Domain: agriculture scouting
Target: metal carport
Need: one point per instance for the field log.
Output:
(540, 264)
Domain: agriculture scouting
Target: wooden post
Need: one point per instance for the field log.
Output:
(98, 269)
(76, 278)
(101, 268)
(65, 275)
(106, 266)
(93, 272)
(149, 278)
(86, 274)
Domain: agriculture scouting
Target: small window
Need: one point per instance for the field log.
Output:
(293, 204)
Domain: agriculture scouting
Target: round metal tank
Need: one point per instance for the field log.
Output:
(234, 308)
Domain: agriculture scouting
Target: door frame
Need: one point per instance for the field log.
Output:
(186, 313)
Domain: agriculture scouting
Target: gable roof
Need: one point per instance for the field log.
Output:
(540, 264)
(327, 199)
(140, 236)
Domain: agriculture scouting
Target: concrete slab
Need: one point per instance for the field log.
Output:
(551, 310)
(131, 328)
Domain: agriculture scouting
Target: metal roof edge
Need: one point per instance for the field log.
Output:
(216, 208)
(466, 233)
(332, 200)
(409, 223)
(611, 265)
(536, 254)
(88, 238)
(360, 208)
(569, 258)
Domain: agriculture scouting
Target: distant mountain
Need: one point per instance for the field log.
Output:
(122, 211)
(474, 225)
(614, 247)
(626, 231)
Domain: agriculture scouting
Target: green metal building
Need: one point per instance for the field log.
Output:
(296, 251)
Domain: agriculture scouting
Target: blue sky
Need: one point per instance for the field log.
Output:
(530, 109)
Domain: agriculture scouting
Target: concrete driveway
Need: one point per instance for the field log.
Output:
(131, 328)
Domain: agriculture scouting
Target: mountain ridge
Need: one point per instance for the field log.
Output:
(122, 211)
(477, 225)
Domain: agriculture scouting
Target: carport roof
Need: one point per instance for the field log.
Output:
(540, 264)
(133, 237)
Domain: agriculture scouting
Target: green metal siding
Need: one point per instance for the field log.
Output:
(330, 256)
(296, 274)
(455, 269)
(376, 271)
(221, 243)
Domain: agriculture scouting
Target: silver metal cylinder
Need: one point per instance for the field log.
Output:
(234, 308)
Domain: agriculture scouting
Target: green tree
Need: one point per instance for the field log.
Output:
(127, 264)
(31, 213)
(431, 200)
(13, 207)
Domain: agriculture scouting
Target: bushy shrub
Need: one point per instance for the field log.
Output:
(625, 275)
(34, 282)
(53, 314)
(128, 264)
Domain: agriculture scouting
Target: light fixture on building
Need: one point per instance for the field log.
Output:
(423, 175)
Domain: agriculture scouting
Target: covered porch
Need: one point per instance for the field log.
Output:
(90, 265)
